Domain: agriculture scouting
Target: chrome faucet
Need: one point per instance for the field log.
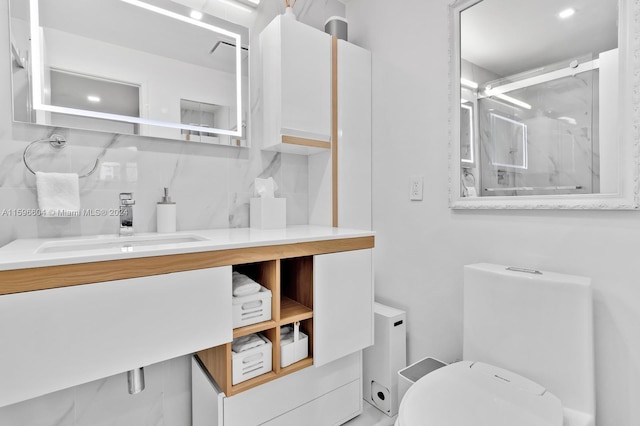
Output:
(126, 213)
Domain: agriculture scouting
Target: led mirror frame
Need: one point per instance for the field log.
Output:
(36, 68)
(627, 197)
(471, 160)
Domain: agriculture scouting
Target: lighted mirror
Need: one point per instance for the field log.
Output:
(149, 68)
(541, 105)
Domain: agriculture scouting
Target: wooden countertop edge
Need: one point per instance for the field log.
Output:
(49, 277)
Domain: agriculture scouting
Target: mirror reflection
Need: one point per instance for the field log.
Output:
(129, 66)
(539, 98)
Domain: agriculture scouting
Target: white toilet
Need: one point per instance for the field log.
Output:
(528, 355)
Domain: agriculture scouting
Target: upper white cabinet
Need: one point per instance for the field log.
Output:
(296, 87)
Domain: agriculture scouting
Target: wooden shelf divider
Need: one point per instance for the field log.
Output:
(253, 328)
(296, 366)
(292, 311)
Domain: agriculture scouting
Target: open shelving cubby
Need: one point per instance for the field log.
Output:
(291, 283)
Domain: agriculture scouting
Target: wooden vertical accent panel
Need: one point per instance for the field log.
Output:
(334, 129)
(218, 362)
(273, 334)
(275, 298)
(307, 328)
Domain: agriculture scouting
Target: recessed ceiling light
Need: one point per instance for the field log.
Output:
(93, 98)
(566, 13)
(196, 14)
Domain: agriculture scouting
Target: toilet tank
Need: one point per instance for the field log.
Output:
(535, 323)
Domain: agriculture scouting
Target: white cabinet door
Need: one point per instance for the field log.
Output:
(354, 136)
(342, 305)
(306, 79)
(296, 84)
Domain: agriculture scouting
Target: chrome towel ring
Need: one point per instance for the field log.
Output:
(57, 142)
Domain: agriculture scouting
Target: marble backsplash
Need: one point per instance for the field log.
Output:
(210, 184)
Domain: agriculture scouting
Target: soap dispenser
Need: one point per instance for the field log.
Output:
(166, 214)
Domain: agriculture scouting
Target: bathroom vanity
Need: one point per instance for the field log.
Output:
(75, 310)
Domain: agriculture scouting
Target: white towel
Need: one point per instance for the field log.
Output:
(243, 285)
(245, 343)
(58, 194)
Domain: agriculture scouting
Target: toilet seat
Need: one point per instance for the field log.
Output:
(477, 394)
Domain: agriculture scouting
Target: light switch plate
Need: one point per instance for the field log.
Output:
(415, 191)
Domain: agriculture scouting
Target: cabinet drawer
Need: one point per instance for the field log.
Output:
(280, 396)
(333, 408)
(337, 387)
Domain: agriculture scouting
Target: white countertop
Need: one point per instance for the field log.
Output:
(23, 253)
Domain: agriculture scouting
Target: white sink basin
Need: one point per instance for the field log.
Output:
(116, 242)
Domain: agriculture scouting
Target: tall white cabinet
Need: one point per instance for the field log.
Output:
(316, 94)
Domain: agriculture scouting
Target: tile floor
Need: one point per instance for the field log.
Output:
(371, 417)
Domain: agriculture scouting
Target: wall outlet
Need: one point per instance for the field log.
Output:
(415, 192)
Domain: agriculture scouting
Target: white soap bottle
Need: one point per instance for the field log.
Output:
(166, 214)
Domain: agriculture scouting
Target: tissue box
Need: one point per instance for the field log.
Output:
(268, 213)
(251, 363)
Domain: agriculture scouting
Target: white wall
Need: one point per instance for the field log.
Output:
(422, 246)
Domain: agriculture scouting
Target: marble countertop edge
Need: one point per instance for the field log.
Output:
(23, 253)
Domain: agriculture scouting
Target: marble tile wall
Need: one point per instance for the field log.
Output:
(211, 185)
(166, 400)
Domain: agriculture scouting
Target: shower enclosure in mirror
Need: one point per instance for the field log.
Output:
(132, 67)
(543, 110)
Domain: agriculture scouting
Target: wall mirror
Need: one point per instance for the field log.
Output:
(150, 68)
(541, 105)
